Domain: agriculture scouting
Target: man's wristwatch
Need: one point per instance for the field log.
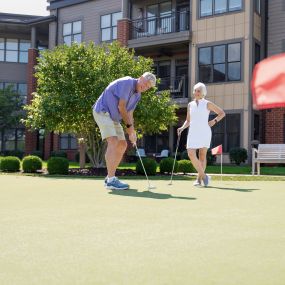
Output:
(216, 121)
(128, 125)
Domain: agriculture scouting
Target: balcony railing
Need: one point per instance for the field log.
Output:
(152, 26)
(178, 86)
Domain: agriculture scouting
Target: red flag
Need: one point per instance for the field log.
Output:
(268, 83)
(217, 150)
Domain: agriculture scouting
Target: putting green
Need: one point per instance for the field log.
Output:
(73, 231)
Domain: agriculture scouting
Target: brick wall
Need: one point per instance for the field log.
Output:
(274, 120)
(124, 29)
(31, 137)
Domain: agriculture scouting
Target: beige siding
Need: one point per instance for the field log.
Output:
(257, 27)
(89, 13)
(223, 28)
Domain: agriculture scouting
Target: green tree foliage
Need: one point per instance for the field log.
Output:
(10, 108)
(70, 79)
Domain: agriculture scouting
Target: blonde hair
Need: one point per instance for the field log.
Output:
(202, 87)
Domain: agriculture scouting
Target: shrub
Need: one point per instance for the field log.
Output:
(58, 153)
(31, 164)
(166, 165)
(238, 155)
(58, 165)
(185, 166)
(149, 164)
(10, 164)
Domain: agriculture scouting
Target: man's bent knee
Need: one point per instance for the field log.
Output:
(122, 145)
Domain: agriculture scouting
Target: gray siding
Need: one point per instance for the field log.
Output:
(89, 13)
(13, 72)
(276, 24)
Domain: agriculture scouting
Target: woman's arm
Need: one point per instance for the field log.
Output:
(220, 112)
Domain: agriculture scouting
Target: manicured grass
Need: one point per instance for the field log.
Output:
(227, 169)
(73, 231)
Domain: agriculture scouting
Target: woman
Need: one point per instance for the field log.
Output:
(200, 134)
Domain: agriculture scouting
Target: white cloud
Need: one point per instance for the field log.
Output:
(27, 7)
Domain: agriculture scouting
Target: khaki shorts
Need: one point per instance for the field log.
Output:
(108, 128)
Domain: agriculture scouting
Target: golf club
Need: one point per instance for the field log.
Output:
(149, 186)
(177, 144)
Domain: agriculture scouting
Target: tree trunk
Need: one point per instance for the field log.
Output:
(82, 151)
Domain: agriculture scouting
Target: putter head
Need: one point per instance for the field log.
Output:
(170, 183)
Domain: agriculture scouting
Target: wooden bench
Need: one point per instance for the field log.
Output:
(267, 153)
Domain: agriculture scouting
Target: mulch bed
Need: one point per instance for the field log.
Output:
(90, 171)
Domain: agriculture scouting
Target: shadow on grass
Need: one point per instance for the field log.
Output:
(147, 194)
(245, 190)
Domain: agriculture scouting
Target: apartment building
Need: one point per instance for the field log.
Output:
(19, 36)
(219, 42)
(274, 119)
(216, 42)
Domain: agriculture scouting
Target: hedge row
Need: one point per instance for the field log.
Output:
(32, 164)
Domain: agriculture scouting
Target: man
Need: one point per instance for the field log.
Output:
(118, 102)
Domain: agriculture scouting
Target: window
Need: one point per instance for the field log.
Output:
(20, 88)
(220, 63)
(227, 132)
(162, 70)
(159, 18)
(257, 6)
(13, 139)
(68, 141)
(2, 49)
(220, 6)
(156, 143)
(256, 53)
(215, 7)
(23, 51)
(109, 26)
(72, 33)
(14, 50)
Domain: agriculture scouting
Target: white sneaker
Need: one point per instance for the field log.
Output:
(197, 183)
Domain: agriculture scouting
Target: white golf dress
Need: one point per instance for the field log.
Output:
(199, 134)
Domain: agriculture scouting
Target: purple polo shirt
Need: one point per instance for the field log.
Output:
(122, 88)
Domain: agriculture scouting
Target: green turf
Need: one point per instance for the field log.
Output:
(73, 231)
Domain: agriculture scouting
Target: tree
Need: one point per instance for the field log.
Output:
(10, 110)
(70, 79)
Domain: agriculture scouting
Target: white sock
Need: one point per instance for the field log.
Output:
(110, 179)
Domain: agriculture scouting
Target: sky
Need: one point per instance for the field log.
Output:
(27, 7)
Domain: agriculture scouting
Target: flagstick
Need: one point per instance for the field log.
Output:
(221, 166)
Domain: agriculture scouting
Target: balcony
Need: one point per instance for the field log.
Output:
(178, 87)
(170, 28)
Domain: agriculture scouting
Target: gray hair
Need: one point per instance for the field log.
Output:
(150, 77)
(202, 87)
